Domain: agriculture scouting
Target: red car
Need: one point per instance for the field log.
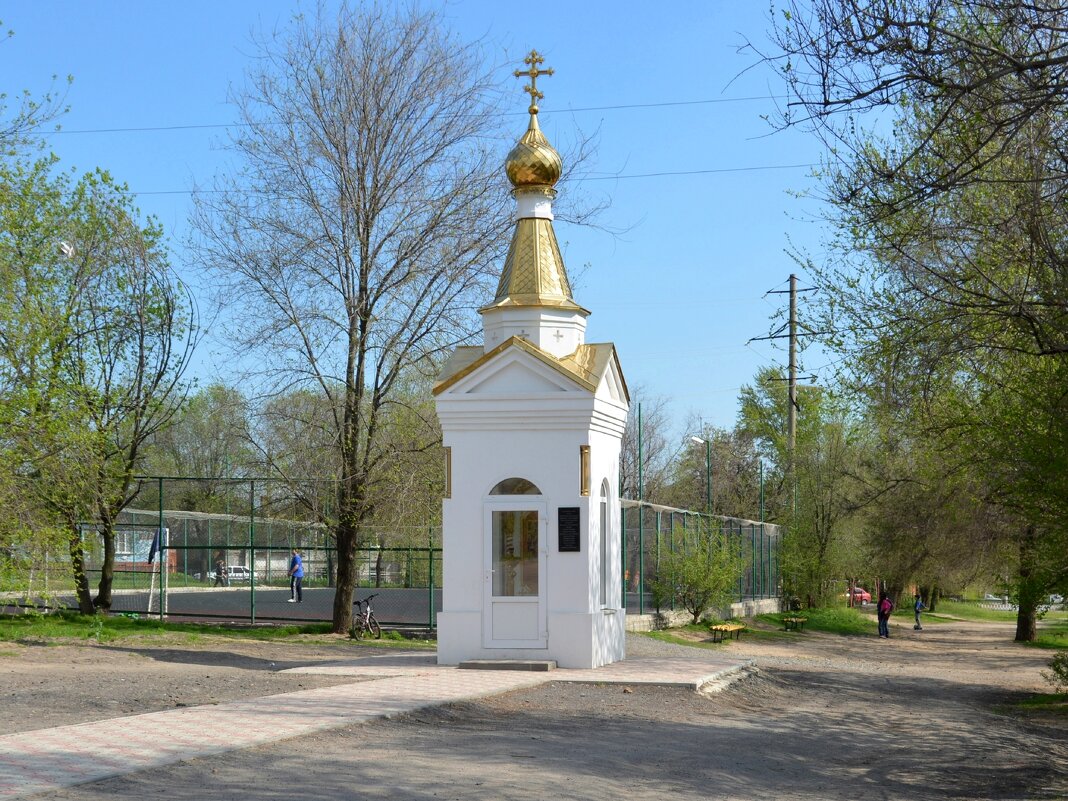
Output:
(860, 595)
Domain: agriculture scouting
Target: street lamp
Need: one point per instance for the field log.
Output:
(708, 470)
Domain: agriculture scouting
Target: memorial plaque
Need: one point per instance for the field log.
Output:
(569, 527)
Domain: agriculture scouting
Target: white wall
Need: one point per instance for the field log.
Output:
(535, 436)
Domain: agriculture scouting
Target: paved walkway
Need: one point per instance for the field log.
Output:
(49, 759)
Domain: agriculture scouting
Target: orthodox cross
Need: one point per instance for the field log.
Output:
(532, 61)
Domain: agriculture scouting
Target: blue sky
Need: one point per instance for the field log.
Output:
(705, 236)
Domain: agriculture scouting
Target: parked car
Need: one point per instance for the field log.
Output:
(233, 573)
(860, 595)
(1056, 599)
(994, 598)
(238, 573)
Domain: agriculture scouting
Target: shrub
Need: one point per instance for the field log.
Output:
(697, 578)
(1057, 675)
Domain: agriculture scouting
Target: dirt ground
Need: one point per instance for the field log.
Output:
(923, 715)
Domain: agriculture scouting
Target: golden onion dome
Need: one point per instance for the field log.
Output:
(533, 161)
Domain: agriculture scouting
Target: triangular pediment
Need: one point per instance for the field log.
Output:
(612, 385)
(514, 367)
(515, 373)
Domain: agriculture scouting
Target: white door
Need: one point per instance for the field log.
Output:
(515, 558)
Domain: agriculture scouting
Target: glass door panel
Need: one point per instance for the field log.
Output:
(515, 553)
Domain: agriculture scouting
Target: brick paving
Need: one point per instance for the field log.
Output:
(48, 759)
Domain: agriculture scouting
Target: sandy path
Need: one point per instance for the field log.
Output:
(920, 716)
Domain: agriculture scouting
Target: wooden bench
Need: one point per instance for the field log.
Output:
(794, 623)
(726, 630)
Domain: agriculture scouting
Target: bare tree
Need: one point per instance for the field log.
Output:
(654, 444)
(357, 237)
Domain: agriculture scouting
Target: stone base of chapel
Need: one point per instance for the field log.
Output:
(578, 640)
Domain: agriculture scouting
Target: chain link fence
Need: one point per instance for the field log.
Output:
(650, 530)
(226, 544)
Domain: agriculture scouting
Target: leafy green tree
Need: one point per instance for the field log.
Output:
(735, 472)
(208, 440)
(946, 281)
(817, 503)
(698, 576)
(97, 333)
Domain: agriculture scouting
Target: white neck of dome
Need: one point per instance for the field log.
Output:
(533, 204)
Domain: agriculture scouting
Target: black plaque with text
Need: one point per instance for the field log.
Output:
(569, 527)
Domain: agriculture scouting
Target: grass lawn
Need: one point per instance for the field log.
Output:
(1052, 633)
(967, 611)
(668, 636)
(1046, 703)
(1052, 627)
(834, 619)
(103, 628)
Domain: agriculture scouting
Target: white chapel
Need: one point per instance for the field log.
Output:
(532, 423)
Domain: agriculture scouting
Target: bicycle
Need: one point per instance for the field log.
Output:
(363, 620)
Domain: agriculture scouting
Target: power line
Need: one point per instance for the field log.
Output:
(698, 172)
(545, 112)
(766, 167)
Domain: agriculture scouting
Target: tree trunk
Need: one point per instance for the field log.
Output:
(931, 597)
(379, 561)
(81, 581)
(107, 567)
(348, 539)
(1026, 623)
(1026, 589)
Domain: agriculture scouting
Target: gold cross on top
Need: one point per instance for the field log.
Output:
(532, 61)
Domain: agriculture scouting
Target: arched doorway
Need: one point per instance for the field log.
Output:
(515, 556)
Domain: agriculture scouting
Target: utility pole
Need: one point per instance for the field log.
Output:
(790, 329)
(791, 415)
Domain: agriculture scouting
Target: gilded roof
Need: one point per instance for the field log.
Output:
(586, 366)
(533, 161)
(533, 273)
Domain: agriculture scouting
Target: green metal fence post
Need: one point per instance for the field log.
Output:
(659, 528)
(641, 521)
(741, 573)
(251, 552)
(161, 555)
(623, 555)
(763, 566)
(761, 490)
(752, 560)
(430, 590)
(671, 545)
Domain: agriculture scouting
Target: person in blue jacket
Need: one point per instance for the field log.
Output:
(918, 607)
(296, 577)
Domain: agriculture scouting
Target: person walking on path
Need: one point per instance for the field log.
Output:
(296, 577)
(220, 574)
(918, 607)
(883, 610)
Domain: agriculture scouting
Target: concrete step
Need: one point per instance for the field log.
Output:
(532, 665)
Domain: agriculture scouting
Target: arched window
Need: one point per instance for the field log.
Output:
(604, 542)
(515, 486)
